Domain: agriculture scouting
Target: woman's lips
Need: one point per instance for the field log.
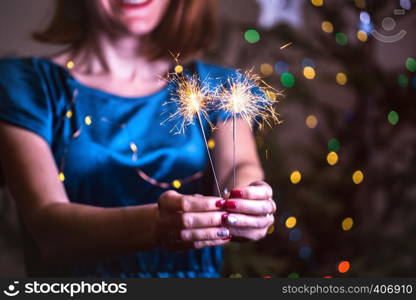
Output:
(132, 3)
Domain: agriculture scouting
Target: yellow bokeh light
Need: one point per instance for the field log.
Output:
(133, 147)
(309, 72)
(362, 36)
(295, 177)
(341, 78)
(290, 222)
(211, 144)
(270, 230)
(311, 121)
(332, 158)
(317, 2)
(237, 275)
(178, 69)
(327, 27)
(347, 224)
(88, 120)
(61, 177)
(360, 3)
(357, 177)
(69, 114)
(266, 69)
(176, 184)
(70, 64)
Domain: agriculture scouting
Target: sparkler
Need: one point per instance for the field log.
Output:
(192, 98)
(249, 97)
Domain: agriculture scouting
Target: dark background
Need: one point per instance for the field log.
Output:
(381, 241)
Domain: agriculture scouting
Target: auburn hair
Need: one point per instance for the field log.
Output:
(187, 28)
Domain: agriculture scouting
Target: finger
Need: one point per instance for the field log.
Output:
(248, 233)
(193, 220)
(173, 201)
(250, 207)
(253, 192)
(183, 246)
(205, 234)
(213, 243)
(246, 221)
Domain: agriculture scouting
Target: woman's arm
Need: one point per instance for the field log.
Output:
(68, 232)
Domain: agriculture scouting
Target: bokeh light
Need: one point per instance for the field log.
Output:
(271, 229)
(176, 184)
(332, 158)
(358, 177)
(293, 275)
(211, 144)
(252, 36)
(88, 120)
(70, 64)
(344, 266)
(341, 78)
(133, 147)
(69, 114)
(341, 38)
(317, 2)
(309, 73)
(347, 224)
(266, 69)
(305, 252)
(178, 69)
(288, 80)
(295, 177)
(334, 145)
(281, 67)
(393, 117)
(295, 235)
(327, 27)
(61, 176)
(291, 222)
(307, 62)
(311, 121)
(362, 36)
(236, 275)
(411, 64)
(403, 80)
(365, 17)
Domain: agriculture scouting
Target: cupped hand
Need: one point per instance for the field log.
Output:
(187, 222)
(250, 211)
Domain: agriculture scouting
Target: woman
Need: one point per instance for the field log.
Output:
(93, 167)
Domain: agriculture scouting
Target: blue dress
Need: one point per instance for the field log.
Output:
(111, 151)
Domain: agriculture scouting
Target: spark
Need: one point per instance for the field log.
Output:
(286, 45)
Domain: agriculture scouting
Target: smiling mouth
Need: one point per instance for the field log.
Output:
(132, 3)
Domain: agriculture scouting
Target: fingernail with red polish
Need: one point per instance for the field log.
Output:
(224, 218)
(220, 203)
(230, 204)
(236, 194)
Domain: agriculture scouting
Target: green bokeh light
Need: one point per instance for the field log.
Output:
(252, 36)
(288, 80)
(411, 64)
(341, 38)
(393, 117)
(293, 275)
(403, 80)
(333, 145)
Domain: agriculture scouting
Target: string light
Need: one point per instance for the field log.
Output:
(362, 36)
(88, 120)
(70, 64)
(317, 2)
(69, 114)
(334, 145)
(347, 224)
(309, 73)
(178, 69)
(311, 121)
(393, 117)
(403, 80)
(176, 184)
(271, 229)
(341, 38)
(357, 177)
(295, 177)
(411, 64)
(252, 36)
(290, 222)
(327, 27)
(288, 80)
(266, 69)
(341, 78)
(344, 266)
(61, 176)
(332, 158)
(211, 144)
